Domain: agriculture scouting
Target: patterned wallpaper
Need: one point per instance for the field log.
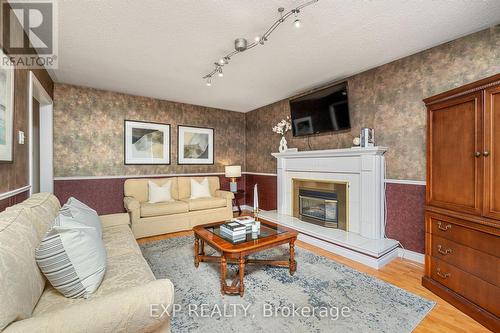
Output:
(389, 99)
(88, 132)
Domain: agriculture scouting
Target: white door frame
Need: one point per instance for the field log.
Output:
(36, 91)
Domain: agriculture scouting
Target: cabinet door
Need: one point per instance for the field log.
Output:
(454, 170)
(492, 153)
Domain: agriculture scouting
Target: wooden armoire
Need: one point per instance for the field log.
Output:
(462, 215)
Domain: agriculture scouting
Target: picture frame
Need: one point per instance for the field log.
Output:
(195, 145)
(6, 112)
(146, 143)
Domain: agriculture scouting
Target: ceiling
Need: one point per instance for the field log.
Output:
(162, 49)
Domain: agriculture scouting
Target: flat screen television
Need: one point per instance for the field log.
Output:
(323, 111)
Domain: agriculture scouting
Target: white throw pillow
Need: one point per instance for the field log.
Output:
(76, 210)
(160, 193)
(73, 258)
(200, 190)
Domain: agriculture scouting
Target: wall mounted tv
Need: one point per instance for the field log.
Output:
(323, 111)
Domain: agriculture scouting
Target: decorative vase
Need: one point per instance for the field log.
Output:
(283, 145)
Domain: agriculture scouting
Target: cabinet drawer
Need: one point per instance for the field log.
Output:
(480, 264)
(469, 286)
(478, 240)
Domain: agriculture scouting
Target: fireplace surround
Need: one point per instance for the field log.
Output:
(360, 172)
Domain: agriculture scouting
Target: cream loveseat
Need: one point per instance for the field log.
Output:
(183, 213)
(122, 303)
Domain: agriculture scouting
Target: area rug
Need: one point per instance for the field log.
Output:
(322, 296)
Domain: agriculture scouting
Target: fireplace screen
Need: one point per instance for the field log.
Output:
(320, 207)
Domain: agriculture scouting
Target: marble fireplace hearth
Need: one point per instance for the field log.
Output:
(361, 170)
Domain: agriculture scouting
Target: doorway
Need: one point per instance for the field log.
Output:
(40, 136)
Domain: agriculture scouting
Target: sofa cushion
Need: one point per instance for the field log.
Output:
(119, 240)
(73, 258)
(138, 188)
(205, 203)
(159, 193)
(122, 272)
(184, 185)
(163, 208)
(200, 189)
(75, 210)
(21, 282)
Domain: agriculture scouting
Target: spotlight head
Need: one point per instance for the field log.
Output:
(222, 61)
(209, 82)
(257, 39)
(220, 74)
(297, 23)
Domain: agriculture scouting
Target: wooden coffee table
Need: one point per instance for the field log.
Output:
(271, 235)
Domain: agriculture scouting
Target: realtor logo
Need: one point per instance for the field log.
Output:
(29, 33)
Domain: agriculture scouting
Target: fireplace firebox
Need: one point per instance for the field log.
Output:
(319, 207)
(322, 202)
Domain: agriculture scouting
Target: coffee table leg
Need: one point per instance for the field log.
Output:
(242, 274)
(196, 249)
(293, 263)
(222, 274)
(202, 247)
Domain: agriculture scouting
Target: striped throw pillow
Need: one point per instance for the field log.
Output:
(73, 259)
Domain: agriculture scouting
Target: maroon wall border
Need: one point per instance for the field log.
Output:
(106, 195)
(405, 202)
(13, 200)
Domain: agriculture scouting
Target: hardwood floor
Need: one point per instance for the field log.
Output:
(400, 272)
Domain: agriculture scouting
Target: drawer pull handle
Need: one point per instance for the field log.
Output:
(444, 252)
(446, 227)
(441, 275)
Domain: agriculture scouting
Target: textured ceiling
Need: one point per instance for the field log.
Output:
(161, 48)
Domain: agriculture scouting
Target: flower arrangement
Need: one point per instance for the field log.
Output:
(283, 126)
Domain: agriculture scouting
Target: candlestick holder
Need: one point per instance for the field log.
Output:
(256, 213)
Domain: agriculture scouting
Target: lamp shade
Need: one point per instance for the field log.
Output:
(233, 171)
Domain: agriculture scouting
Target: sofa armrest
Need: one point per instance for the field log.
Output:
(224, 194)
(229, 196)
(133, 207)
(112, 220)
(138, 309)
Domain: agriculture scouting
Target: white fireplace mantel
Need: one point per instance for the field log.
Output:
(363, 169)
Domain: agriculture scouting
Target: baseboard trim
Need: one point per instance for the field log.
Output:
(12, 193)
(245, 207)
(411, 255)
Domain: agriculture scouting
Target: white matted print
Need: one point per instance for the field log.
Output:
(146, 143)
(195, 145)
(6, 111)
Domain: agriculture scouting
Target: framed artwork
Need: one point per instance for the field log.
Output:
(6, 112)
(195, 145)
(146, 143)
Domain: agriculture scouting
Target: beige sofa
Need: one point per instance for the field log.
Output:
(181, 214)
(30, 304)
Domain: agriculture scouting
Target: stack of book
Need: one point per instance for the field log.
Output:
(234, 231)
(247, 221)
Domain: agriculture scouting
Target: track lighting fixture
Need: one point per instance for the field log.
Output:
(241, 44)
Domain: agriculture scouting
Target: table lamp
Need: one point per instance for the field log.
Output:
(233, 171)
